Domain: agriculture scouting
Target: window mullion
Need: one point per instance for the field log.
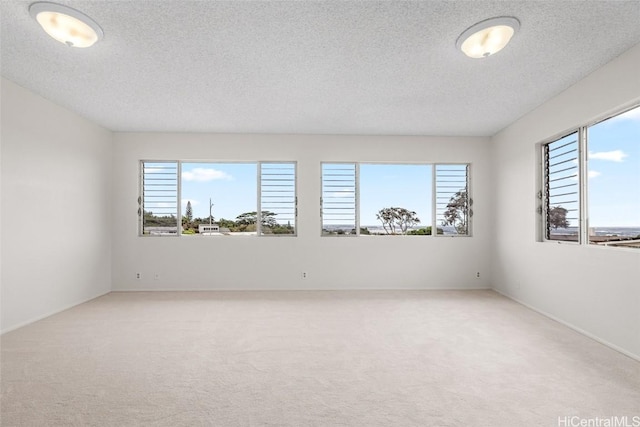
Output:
(583, 184)
(434, 201)
(357, 198)
(259, 196)
(544, 191)
(179, 198)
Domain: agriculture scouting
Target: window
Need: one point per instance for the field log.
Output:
(395, 199)
(219, 199)
(339, 195)
(159, 212)
(591, 185)
(562, 207)
(278, 198)
(453, 204)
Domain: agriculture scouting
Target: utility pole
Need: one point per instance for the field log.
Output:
(210, 216)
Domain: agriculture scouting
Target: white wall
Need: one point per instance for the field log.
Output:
(64, 241)
(366, 262)
(593, 289)
(56, 198)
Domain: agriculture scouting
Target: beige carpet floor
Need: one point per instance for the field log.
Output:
(362, 358)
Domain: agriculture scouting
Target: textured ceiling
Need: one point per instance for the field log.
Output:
(325, 67)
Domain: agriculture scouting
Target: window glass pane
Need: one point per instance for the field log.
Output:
(452, 199)
(278, 198)
(159, 198)
(614, 180)
(395, 199)
(231, 188)
(338, 199)
(562, 196)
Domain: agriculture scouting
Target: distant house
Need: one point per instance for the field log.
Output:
(208, 228)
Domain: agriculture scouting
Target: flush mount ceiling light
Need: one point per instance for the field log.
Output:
(66, 25)
(487, 37)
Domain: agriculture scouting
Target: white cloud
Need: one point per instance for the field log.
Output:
(612, 156)
(629, 115)
(193, 202)
(204, 175)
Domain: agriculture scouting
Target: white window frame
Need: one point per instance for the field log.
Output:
(356, 166)
(260, 195)
(434, 229)
(543, 193)
(258, 165)
(141, 197)
(434, 224)
(583, 182)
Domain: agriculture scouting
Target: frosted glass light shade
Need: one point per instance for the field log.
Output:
(66, 25)
(487, 37)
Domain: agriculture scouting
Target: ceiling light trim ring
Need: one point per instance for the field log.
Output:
(508, 21)
(39, 7)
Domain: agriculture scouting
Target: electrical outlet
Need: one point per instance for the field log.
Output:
(138, 276)
(304, 274)
(478, 274)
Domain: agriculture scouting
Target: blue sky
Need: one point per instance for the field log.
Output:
(614, 182)
(232, 188)
(614, 171)
(386, 185)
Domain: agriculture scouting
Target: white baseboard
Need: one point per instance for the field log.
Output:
(293, 290)
(569, 325)
(50, 313)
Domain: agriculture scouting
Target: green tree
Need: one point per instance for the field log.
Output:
(558, 217)
(426, 231)
(151, 220)
(188, 225)
(279, 229)
(189, 212)
(457, 212)
(227, 223)
(248, 218)
(397, 220)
